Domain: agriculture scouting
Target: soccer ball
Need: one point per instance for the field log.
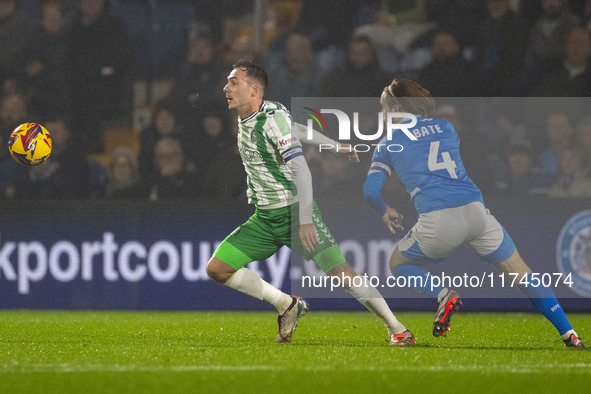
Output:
(29, 144)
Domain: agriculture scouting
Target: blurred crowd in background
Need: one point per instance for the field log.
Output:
(131, 91)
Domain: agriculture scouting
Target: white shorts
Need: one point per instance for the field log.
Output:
(438, 233)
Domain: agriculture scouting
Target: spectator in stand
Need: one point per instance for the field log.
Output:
(532, 9)
(225, 175)
(361, 71)
(559, 133)
(583, 139)
(13, 112)
(99, 63)
(523, 179)
(40, 182)
(8, 168)
(211, 137)
(85, 178)
(586, 14)
(448, 74)
(500, 123)
(174, 180)
(201, 80)
(572, 78)
(124, 180)
(164, 124)
(503, 42)
(499, 120)
(547, 48)
(572, 179)
(209, 20)
(463, 17)
(324, 31)
(390, 41)
(45, 76)
(15, 29)
(550, 33)
(299, 76)
(240, 47)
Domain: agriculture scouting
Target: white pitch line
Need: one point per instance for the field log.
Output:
(485, 369)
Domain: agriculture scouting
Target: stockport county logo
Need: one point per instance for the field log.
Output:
(573, 252)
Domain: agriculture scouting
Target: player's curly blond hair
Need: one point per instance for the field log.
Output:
(409, 96)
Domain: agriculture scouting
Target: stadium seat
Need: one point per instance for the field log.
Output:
(115, 138)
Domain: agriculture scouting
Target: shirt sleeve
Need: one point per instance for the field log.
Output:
(303, 182)
(287, 143)
(379, 171)
(290, 149)
(372, 190)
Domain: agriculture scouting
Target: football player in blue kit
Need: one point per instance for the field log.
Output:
(450, 207)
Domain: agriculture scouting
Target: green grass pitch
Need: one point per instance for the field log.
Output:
(340, 352)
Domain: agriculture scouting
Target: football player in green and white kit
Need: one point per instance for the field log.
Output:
(273, 159)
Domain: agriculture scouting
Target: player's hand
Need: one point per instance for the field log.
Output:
(309, 237)
(348, 151)
(393, 219)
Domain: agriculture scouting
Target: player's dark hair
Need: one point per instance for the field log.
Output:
(253, 71)
(409, 96)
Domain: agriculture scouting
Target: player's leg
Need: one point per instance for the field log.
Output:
(542, 298)
(449, 300)
(247, 282)
(371, 299)
(494, 245)
(329, 258)
(435, 236)
(410, 268)
(252, 241)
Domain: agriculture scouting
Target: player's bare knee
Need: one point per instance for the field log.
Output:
(397, 260)
(211, 269)
(215, 270)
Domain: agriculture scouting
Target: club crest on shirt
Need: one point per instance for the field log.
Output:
(255, 136)
(573, 252)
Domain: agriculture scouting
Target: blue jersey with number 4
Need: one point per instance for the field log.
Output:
(430, 168)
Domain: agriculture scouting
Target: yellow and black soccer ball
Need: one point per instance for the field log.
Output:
(30, 144)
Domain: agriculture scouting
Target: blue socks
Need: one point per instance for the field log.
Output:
(542, 298)
(424, 286)
(545, 302)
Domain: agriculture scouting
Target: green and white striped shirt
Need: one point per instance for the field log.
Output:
(266, 146)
